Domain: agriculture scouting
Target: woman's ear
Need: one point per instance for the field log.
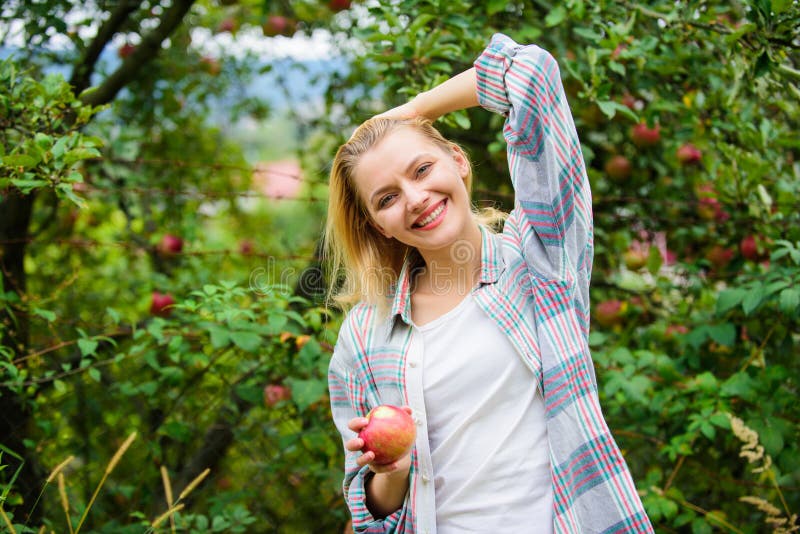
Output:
(461, 161)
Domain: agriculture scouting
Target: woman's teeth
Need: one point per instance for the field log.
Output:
(432, 217)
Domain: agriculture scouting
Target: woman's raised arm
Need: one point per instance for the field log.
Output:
(459, 92)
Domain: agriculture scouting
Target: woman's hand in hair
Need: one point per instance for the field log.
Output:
(405, 111)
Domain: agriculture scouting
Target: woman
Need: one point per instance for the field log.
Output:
(481, 337)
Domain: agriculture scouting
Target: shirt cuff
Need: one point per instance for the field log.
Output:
(490, 68)
(363, 520)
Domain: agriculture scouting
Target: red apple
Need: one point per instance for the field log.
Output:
(160, 304)
(618, 168)
(610, 312)
(126, 50)
(688, 154)
(635, 257)
(389, 433)
(275, 393)
(643, 136)
(228, 25)
(719, 256)
(170, 244)
(278, 25)
(246, 247)
(338, 5)
(752, 248)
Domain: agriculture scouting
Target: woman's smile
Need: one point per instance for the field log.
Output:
(432, 217)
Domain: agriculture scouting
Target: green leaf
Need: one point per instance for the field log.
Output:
(47, 315)
(724, 334)
(753, 299)
(789, 300)
(307, 392)
(220, 337)
(88, 347)
(19, 160)
(555, 17)
(729, 298)
(495, 6)
(247, 341)
(739, 385)
(94, 373)
(611, 107)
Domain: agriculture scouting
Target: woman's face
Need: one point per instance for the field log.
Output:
(414, 190)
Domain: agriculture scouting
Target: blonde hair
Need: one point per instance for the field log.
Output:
(363, 264)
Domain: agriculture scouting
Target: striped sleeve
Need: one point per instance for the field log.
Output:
(348, 401)
(545, 160)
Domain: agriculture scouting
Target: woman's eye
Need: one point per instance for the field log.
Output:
(422, 169)
(384, 201)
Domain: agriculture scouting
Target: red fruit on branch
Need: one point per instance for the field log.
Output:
(161, 303)
(752, 247)
(170, 244)
(390, 433)
(610, 312)
(719, 256)
(644, 136)
(275, 393)
(636, 256)
(228, 25)
(278, 25)
(246, 247)
(688, 154)
(618, 168)
(126, 50)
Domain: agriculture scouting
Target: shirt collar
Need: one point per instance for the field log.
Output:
(492, 265)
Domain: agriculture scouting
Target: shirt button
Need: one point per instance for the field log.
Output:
(426, 478)
(412, 363)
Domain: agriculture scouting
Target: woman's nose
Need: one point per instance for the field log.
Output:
(417, 197)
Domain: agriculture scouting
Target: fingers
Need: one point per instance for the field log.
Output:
(357, 423)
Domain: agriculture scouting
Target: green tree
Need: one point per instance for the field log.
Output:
(687, 113)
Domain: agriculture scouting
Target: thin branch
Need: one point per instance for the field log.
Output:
(85, 67)
(146, 51)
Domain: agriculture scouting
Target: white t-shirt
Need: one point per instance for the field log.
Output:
(486, 428)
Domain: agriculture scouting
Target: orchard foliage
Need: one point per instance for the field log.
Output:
(688, 116)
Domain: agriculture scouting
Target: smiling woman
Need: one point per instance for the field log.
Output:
(482, 338)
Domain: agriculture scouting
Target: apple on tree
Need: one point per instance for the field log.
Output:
(275, 393)
(610, 312)
(618, 167)
(161, 303)
(126, 50)
(688, 154)
(644, 136)
(389, 433)
(170, 244)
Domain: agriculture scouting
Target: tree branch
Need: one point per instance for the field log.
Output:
(147, 50)
(81, 76)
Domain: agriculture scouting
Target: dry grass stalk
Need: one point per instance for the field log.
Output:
(41, 530)
(7, 521)
(59, 468)
(753, 451)
(169, 513)
(62, 491)
(109, 468)
(168, 495)
(193, 484)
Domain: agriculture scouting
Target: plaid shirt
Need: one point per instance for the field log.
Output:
(534, 285)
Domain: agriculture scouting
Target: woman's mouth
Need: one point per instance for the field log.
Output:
(432, 218)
